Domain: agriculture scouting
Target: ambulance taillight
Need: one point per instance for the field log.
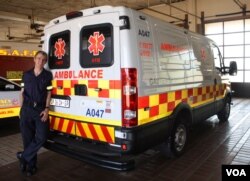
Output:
(129, 97)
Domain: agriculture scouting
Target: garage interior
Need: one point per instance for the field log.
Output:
(212, 144)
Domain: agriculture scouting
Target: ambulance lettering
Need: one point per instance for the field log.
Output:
(146, 49)
(96, 43)
(8, 102)
(81, 74)
(5, 102)
(10, 112)
(3, 112)
(171, 47)
(96, 60)
(144, 33)
(94, 112)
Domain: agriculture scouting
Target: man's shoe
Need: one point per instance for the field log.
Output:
(31, 171)
(22, 163)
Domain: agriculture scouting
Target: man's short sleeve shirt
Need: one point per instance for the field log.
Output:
(36, 87)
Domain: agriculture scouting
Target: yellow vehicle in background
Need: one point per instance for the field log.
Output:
(9, 98)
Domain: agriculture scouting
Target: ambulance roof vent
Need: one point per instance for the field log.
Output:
(142, 17)
(97, 11)
(56, 21)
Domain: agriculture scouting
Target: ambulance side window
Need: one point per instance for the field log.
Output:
(96, 46)
(59, 50)
(217, 57)
(8, 86)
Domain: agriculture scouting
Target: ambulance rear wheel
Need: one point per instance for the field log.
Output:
(223, 115)
(178, 138)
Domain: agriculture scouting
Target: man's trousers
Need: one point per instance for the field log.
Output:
(34, 133)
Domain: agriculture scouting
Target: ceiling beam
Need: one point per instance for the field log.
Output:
(19, 18)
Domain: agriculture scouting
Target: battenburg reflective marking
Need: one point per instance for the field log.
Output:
(109, 88)
(90, 131)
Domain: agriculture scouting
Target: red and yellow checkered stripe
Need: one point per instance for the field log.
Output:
(109, 88)
(150, 108)
(157, 106)
(85, 130)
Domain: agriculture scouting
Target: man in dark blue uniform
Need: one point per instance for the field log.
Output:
(34, 118)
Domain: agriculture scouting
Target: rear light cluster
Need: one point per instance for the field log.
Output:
(129, 97)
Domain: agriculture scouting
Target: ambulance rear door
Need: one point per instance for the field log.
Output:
(84, 57)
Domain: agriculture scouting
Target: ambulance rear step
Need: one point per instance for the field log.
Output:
(90, 153)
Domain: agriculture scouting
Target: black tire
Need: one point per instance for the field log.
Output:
(179, 137)
(224, 114)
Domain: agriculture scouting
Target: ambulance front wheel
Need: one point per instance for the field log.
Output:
(223, 115)
(178, 138)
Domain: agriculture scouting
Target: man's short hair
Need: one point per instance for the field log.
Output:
(42, 52)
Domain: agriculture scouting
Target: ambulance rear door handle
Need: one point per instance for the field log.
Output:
(98, 89)
(80, 89)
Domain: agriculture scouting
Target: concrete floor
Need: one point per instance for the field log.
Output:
(211, 145)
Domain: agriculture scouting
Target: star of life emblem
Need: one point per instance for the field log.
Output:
(59, 48)
(96, 43)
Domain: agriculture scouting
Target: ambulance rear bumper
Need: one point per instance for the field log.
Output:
(96, 154)
(135, 140)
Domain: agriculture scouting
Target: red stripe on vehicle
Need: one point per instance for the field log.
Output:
(52, 122)
(69, 127)
(61, 120)
(80, 128)
(93, 132)
(106, 134)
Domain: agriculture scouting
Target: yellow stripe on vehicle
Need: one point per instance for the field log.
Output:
(9, 112)
(86, 119)
(96, 132)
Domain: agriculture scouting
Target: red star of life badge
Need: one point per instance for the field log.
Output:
(59, 48)
(96, 43)
(203, 54)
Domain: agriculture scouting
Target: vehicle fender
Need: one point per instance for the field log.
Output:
(183, 109)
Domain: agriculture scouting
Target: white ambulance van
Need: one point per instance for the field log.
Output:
(125, 82)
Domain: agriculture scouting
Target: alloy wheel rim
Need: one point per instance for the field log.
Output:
(180, 137)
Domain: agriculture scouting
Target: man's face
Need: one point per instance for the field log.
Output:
(40, 60)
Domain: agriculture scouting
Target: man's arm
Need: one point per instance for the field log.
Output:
(45, 113)
(48, 99)
(21, 97)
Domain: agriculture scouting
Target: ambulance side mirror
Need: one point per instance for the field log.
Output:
(232, 68)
